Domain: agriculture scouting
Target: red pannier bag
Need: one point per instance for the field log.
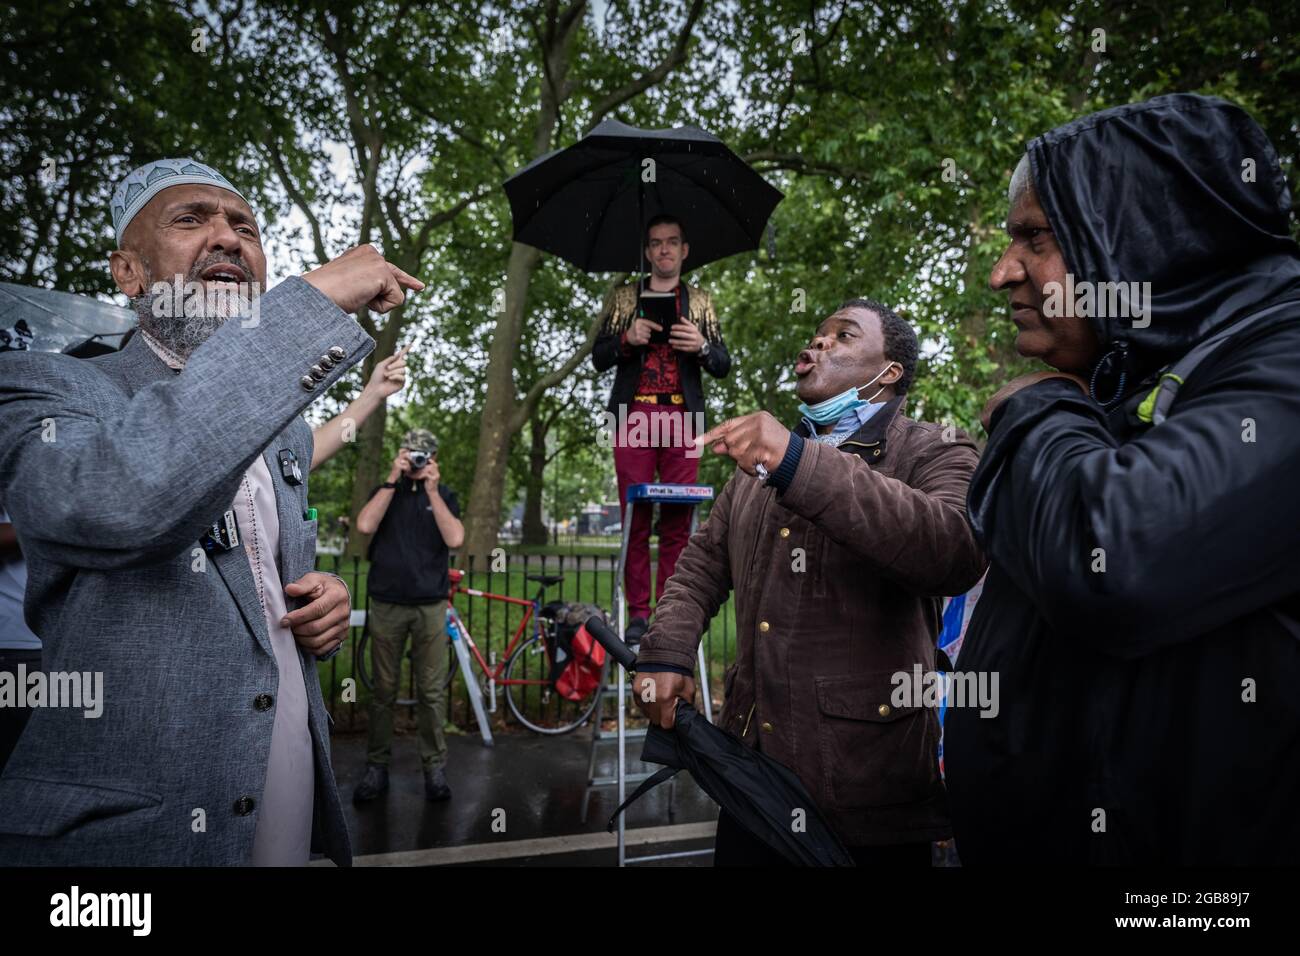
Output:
(581, 675)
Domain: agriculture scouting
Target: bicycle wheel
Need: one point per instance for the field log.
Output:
(538, 706)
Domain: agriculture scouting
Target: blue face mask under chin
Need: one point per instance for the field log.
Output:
(835, 407)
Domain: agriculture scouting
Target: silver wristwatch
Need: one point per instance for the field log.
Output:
(704, 350)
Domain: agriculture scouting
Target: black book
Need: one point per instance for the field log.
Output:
(660, 308)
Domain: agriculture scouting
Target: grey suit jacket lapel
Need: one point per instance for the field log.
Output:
(294, 537)
(136, 367)
(235, 570)
(290, 501)
(238, 574)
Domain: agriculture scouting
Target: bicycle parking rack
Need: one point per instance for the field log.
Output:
(647, 494)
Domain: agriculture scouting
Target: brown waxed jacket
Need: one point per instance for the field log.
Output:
(838, 585)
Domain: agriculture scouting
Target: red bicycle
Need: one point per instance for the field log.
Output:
(529, 667)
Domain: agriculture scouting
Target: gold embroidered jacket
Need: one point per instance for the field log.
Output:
(608, 351)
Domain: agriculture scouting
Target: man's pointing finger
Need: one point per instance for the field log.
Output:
(714, 434)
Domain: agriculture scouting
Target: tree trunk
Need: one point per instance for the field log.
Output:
(534, 526)
(370, 444)
(496, 429)
(370, 468)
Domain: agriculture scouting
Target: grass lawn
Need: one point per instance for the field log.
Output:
(591, 549)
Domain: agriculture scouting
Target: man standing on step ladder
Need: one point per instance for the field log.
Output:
(659, 332)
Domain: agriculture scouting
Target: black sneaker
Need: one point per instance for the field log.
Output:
(635, 631)
(435, 785)
(373, 783)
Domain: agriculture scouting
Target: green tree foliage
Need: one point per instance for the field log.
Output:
(891, 127)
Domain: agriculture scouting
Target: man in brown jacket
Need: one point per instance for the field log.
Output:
(839, 539)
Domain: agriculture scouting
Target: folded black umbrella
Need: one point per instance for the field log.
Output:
(588, 203)
(760, 794)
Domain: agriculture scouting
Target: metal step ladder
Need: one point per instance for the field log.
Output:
(617, 690)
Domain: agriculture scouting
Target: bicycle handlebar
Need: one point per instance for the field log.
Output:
(603, 633)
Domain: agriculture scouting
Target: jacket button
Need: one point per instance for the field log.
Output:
(876, 453)
(883, 710)
(767, 728)
(326, 362)
(336, 353)
(764, 626)
(244, 806)
(785, 532)
(307, 382)
(263, 701)
(316, 372)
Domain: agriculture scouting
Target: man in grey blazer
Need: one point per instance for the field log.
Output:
(160, 496)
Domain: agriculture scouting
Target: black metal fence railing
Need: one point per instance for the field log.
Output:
(587, 578)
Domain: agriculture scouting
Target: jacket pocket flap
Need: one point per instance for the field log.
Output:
(868, 697)
(32, 806)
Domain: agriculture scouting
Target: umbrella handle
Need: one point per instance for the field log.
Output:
(605, 635)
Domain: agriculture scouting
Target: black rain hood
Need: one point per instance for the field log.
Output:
(1142, 603)
(1159, 192)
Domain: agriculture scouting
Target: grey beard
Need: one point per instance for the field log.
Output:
(183, 334)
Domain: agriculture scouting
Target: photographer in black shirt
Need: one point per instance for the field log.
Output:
(415, 521)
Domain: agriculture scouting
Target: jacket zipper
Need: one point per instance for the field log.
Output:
(761, 517)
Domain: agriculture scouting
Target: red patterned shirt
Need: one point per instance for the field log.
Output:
(659, 374)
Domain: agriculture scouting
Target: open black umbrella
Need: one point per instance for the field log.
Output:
(588, 203)
(762, 795)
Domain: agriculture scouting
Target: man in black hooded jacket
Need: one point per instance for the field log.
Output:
(1139, 506)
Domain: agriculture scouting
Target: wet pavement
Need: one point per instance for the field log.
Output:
(524, 788)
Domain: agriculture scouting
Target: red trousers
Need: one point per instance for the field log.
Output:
(637, 458)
